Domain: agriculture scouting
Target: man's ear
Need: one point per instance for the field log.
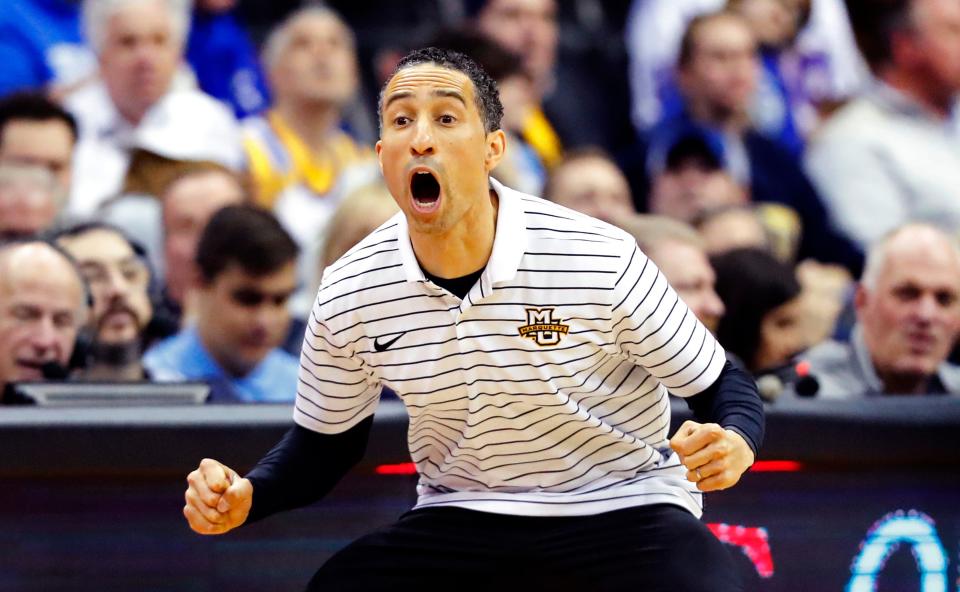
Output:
(860, 297)
(496, 145)
(379, 148)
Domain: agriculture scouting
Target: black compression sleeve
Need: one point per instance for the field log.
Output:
(303, 467)
(733, 402)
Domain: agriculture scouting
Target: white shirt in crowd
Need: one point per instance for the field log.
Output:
(185, 124)
(882, 161)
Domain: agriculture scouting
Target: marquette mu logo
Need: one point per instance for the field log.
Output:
(542, 327)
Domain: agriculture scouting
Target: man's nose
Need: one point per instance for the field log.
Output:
(714, 305)
(926, 308)
(422, 143)
(45, 338)
(116, 284)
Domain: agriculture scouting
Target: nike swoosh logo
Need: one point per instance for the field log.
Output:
(386, 344)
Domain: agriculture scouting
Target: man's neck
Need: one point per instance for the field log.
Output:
(919, 89)
(311, 122)
(463, 249)
(115, 361)
(232, 370)
(126, 373)
(900, 384)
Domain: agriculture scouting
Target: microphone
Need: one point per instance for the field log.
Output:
(806, 384)
(773, 383)
(770, 387)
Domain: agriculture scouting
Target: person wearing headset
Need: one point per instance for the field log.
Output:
(43, 306)
(116, 270)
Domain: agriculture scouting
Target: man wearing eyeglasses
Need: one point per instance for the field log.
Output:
(246, 265)
(117, 273)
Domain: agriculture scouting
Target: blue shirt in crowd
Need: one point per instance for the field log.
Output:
(183, 357)
(41, 43)
(226, 63)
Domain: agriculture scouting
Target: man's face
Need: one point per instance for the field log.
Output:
(688, 271)
(27, 206)
(187, 207)
(595, 187)
(528, 28)
(41, 310)
(691, 189)
(722, 70)
(139, 56)
(434, 153)
(782, 335)
(47, 144)
(911, 317)
(937, 39)
(318, 63)
(242, 317)
(118, 279)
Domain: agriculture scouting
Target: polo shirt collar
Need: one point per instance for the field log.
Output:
(509, 242)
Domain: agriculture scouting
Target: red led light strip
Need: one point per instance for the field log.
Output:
(761, 466)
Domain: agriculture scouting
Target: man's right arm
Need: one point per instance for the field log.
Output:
(298, 471)
(303, 467)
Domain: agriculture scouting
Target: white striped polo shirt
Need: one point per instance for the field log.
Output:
(543, 392)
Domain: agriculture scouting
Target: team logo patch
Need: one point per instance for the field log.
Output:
(543, 328)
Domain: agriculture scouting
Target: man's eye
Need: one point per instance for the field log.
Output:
(401, 121)
(447, 119)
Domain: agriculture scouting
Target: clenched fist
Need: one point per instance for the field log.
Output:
(218, 500)
(715, 457)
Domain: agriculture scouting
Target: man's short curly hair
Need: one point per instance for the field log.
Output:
(485, 88)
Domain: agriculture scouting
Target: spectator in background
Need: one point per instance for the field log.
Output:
(36, 131)
(724, 229)
(588, 181)
(30, 200)
(690, 179)
(529, 29)
(763, 323)
(362, 212)
(521, 167)
(717, 73)
(890, 156)
(42, 308)
(818, 68)
(247, 264)
(116, 270)
(42, 46)
(677, 249)
(301, 161)
(908, 319)
(137, 105)
(188, 203)
(224, 60)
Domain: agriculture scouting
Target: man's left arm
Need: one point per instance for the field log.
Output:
(723, 441)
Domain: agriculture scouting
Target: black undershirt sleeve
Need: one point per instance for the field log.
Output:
(303, 467)
(733, 402)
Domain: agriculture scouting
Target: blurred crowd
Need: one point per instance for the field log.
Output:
(175, 175)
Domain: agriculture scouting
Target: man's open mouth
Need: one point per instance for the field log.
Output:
(425, 190)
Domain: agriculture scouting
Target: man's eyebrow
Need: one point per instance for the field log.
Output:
(440, 92)
(396, 96)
